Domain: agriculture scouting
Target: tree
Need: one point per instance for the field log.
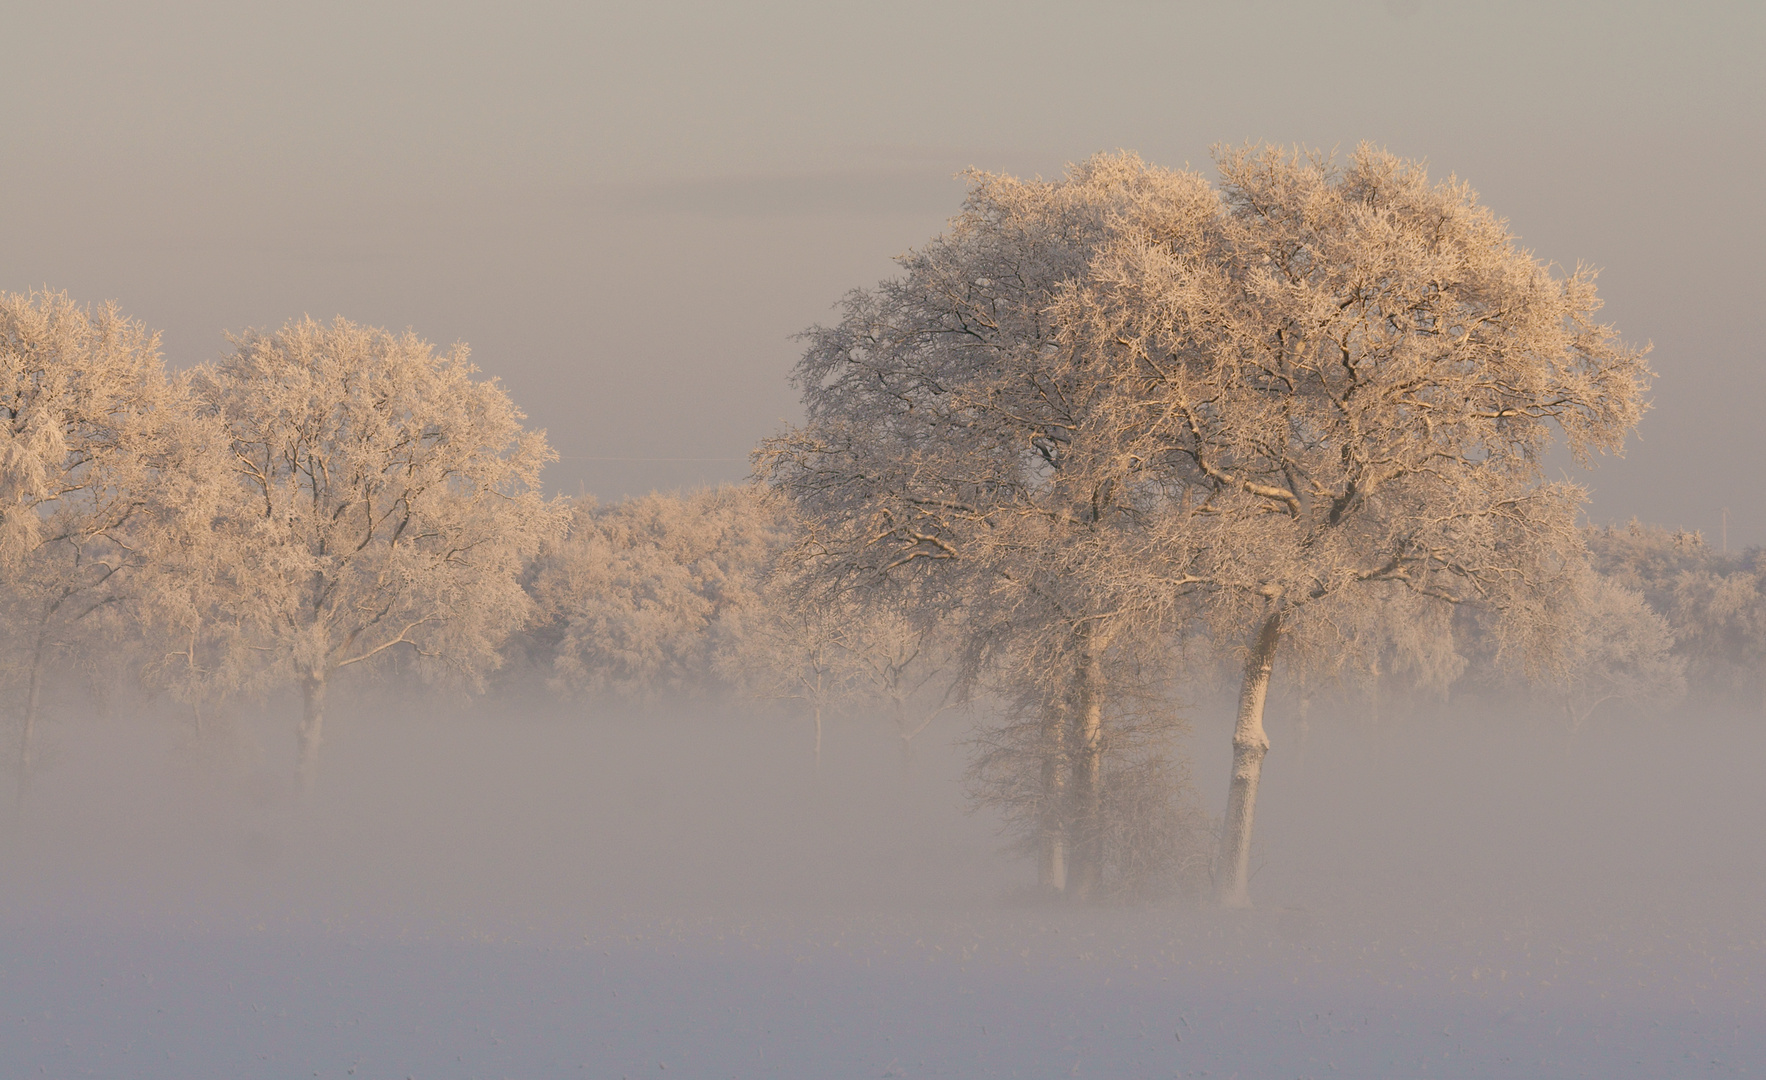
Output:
(1714, 602)
(383, 504)
(1268, 410)
(961, 455)
(638, 597)
(1083, 766)
(837, 651)
(1618, 650)
(686, 594)
(103, 471)
(1345, 388)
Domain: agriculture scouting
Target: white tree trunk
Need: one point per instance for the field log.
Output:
(1052, 871)
(1250, 743)
(1088, 862)
(312, 724)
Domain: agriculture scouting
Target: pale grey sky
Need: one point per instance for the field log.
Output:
(628, 209)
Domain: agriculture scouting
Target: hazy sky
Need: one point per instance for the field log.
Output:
(627, 210)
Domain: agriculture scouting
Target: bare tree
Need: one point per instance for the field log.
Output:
(384, 502)
(103, 469)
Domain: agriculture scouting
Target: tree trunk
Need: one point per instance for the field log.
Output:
(1232, 869)
(1088, 846)
(312, 724)
(1052, 871)
(27, 736)
(818, 739)
(1303, 728)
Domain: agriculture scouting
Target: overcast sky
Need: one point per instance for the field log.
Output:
(627, 210)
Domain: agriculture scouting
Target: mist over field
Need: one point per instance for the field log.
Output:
(509, 887)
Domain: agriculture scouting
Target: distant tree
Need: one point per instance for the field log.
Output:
(1714, 602)
(1617, 649)
(685, 594)
(637, 598)
(839, 652)
(383, 502)
(103, 470)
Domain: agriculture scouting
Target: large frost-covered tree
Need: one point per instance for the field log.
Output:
(104, 472)
(961, 452)
(383, 503)
(1344, 389)
(1272, 408)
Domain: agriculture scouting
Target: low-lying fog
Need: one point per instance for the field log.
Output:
(520, 888)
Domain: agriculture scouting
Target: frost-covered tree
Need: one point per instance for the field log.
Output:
(1276, 406)
(1617, 649)
(1345, 385)
(1713, 601)
(961, 455)
(638, 597)
(104, 470)
(839, 652)
(383, 503)
(1083, 765)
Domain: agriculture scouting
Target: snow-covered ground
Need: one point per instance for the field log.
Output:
(474, 896)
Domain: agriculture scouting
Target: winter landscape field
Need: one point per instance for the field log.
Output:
(769, 539)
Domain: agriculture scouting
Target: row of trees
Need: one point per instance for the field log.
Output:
(1104, 435)
(687, 595)
(323, 497)
(333, 497)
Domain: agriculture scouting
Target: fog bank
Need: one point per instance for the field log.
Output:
(508, 887)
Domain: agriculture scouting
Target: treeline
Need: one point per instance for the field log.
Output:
(694, 596)
(1109, 441)
(334, 497)
(331, 498)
